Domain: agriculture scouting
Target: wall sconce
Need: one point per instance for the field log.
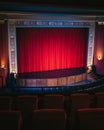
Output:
(89, 69)
(99, 57)
(3, 66)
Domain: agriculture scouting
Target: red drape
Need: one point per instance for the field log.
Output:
(43, 49)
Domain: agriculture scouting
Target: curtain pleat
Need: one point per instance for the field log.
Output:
(43, 49)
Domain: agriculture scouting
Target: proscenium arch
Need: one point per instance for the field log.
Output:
(46, 21)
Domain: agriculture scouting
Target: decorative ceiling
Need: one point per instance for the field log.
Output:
(92, 7)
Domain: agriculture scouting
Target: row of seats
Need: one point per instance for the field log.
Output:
(52, 101)
(34, 118)
(52, 119)
(90, 119)
(10, 120)
(51, 105)
(31, 102)
(82, 101)
(86, 119)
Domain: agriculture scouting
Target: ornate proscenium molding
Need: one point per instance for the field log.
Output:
(47, 21)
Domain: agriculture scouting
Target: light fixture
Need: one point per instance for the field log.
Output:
(100, 57)
(2, 66)
(89, 69)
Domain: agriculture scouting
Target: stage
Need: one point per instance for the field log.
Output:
(51, 78)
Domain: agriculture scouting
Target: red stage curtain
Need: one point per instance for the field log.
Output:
(43, 49)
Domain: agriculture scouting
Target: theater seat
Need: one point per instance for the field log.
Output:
(26, 104)
(5, 102)
(49, 119)
(99, 99)
(53, 101)
(10, 120)
(90, 119)
(78, 100)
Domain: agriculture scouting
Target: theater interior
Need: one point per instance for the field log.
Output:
(51, 65)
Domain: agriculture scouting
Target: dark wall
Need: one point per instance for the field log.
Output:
(3, 50)
(99, 49)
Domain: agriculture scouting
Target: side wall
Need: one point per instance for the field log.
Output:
(3, 52)
(99, 48)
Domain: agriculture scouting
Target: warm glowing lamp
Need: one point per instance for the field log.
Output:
(99, 57)
(89, 69)
(2, 66)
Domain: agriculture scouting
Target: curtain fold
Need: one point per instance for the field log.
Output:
(43, 49)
